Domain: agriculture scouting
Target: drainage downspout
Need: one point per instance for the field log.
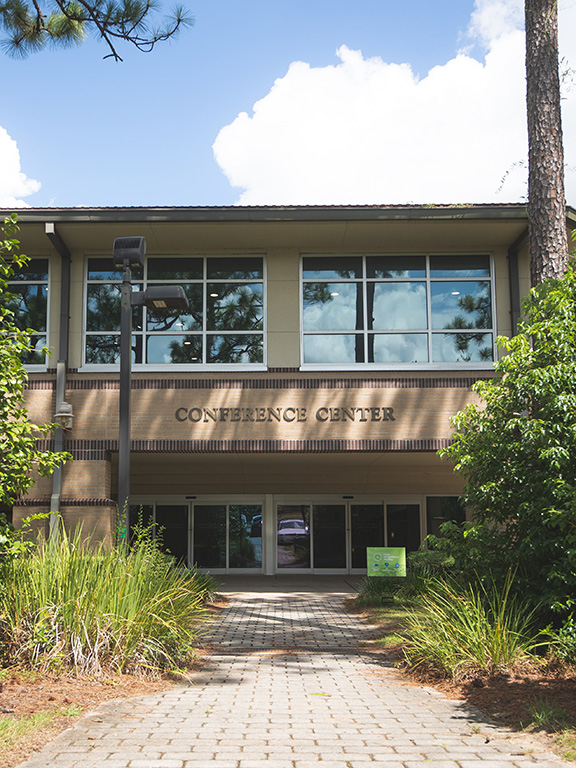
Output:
(61, 369)
(514, 279)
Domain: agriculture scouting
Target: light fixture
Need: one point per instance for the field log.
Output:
(455, 293)
(214, 295)
(64, 415)
(334, 294)
(164, 297)
(129, 251)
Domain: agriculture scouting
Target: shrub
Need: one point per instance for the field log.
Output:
(563, 640)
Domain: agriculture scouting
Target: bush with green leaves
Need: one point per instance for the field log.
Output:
(93, 609)
(20, 455)
(470, 630)
(563, 640)
(516, 450)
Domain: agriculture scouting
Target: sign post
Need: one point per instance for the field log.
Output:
(386, 562)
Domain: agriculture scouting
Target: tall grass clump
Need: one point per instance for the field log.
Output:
(94, 609)
(470, 630)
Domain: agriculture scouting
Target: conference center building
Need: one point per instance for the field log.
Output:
(291, 415)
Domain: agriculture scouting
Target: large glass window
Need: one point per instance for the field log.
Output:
(391, 310)
(224, 323)
(29, 287)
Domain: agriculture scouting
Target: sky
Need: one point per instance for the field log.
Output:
(285, 102)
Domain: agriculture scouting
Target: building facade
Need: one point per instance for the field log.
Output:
(289, 417)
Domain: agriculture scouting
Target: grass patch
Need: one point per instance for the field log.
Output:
(18, 729)
(547, 714)
(565, 744)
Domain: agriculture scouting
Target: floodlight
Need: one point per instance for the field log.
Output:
(129, 251)
(165, 297)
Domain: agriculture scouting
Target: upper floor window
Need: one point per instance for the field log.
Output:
(224, 323)
(29, 286)
(390, 310)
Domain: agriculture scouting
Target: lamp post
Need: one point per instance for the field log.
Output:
(129, 252)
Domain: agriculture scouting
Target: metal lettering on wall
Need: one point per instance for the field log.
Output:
(281, 414)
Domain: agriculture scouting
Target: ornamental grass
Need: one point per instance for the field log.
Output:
(93, 609)
(471, 630)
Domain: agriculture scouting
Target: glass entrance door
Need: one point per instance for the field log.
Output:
(367, 530)
(403, 526)
(333, 537)
(227, 536)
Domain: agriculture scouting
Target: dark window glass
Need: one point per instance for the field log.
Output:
(459, 266)
(403, 526)
(395, 266)
(172, 529)
(210, 535)
(441, 509)
(250, 268)
(177, 268)
(367, 531)
(329, 268)
(104, 269)
(36, 269)
(30, 303)
(329, 524)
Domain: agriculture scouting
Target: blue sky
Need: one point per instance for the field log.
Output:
(348, 125)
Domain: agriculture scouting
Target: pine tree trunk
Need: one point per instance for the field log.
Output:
(546, 199)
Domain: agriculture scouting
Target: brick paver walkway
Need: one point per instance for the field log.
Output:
(291, 683)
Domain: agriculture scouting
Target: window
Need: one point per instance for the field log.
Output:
(390, 310)
(29, 286)
(224, 323)
(442, 509)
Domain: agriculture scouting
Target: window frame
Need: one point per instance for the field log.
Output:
(39, 367)
(141, 282)
(429, 331)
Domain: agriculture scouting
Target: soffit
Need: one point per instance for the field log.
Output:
(328, 236)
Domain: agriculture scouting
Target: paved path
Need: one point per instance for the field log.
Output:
(291, 683)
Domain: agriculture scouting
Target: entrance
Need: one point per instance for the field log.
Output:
(282, 535)
(333, 537)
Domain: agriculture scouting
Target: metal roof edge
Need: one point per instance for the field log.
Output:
(224, 214)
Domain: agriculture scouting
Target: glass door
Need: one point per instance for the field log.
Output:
(366, 530)
(293, 536)
(227, 536)
(329, 537)
(403, 526)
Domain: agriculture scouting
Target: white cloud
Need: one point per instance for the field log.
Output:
(367, 131)
(13, 183)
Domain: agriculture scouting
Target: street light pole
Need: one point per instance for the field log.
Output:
(125, 392)
(129, 252)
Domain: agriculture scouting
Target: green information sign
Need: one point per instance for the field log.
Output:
(386, 561)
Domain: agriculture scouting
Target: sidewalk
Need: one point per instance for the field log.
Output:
(292, 682)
